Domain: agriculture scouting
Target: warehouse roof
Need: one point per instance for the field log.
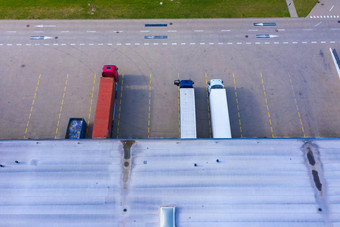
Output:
(257, 182)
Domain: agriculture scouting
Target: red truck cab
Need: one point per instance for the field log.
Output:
(110, 71)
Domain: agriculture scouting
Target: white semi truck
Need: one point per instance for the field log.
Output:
(219, 109)
(187, 108)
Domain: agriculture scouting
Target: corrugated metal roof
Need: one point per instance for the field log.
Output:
(257, 182)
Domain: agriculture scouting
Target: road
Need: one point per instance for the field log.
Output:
(282, 86)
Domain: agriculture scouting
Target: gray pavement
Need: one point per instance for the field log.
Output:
(291, 8)
(326, 9)
(286, 85)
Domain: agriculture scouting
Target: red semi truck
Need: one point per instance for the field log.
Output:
(102, 126)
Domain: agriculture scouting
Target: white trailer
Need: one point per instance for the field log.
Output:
(219, 109)
(187, 109)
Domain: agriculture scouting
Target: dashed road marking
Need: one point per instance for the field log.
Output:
(120, 104)
(198, 30)
(61, 108)
(172, 31)
(225, 30)
(266, 101)
(238, 108)
(90, 110)
(208, 104)
(145, 31)
(32, 105)
(91, 31)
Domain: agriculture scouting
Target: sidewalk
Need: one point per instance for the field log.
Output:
(291, 8)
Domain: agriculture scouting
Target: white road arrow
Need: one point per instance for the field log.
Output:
(47, 37)
(45, 26)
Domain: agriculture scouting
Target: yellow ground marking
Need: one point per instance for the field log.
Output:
(179, 111)
(297, 106)
(208, 103)
(120, 104)
(90, 109)
(149, 112)
(61, 108)
(31, 109)
(238, 107)
(266, 101)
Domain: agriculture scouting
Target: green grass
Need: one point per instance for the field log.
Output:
(119, 9)
(303, 7)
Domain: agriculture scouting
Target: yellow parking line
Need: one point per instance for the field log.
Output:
(238, 108)
(266, 101)
(61, 108)
(90, 110)
(120, 104)
(208, 103)
(296, 106)
(31, 110)
(179, 111)
(149, 115)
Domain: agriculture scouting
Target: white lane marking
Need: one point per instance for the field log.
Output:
(225, 30)
(192, 43)
(281, 29)
(323, 41)
(266, 43)
(38, 31)
(220, 43)
(317, 24)
(248, 43)
(46, 44)
(118, 44)
(285, 42)
(91, 44)
(9, 44)
(37, 44)
(164, 44)
(257, 43)
(109, 44)
(252, 30)
(172, 31)
(198, 30)
(332, 41)
(72, 44)
(100, 44)
(144, 31)
(28, 44)
(65, 31)
(91, 31)
(202, 43)
(313, 42)
(229, 43)
(308, 29)
(211, 43)
(127, 44)
(137, 44)
(1, 44)
(146, 44)
(335, 29)
(183, 43)
(82, 44)
(155, 44)
(55, 44)
(295, 42)
(19, 44)
(238, 43)
(276, 42)
(331, 8)
(173, 44)
(63, 44)
(12, 31)
(304, 42)
(46, 26)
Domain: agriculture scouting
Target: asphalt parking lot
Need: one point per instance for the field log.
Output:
(269, 95)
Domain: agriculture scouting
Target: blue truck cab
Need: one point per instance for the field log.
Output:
(184, 83)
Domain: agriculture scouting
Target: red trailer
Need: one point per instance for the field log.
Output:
(103, 120)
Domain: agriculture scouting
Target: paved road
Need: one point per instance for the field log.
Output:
(282, 86)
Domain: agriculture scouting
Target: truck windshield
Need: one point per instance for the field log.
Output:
(217, 86)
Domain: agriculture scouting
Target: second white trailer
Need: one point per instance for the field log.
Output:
(219, 113)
